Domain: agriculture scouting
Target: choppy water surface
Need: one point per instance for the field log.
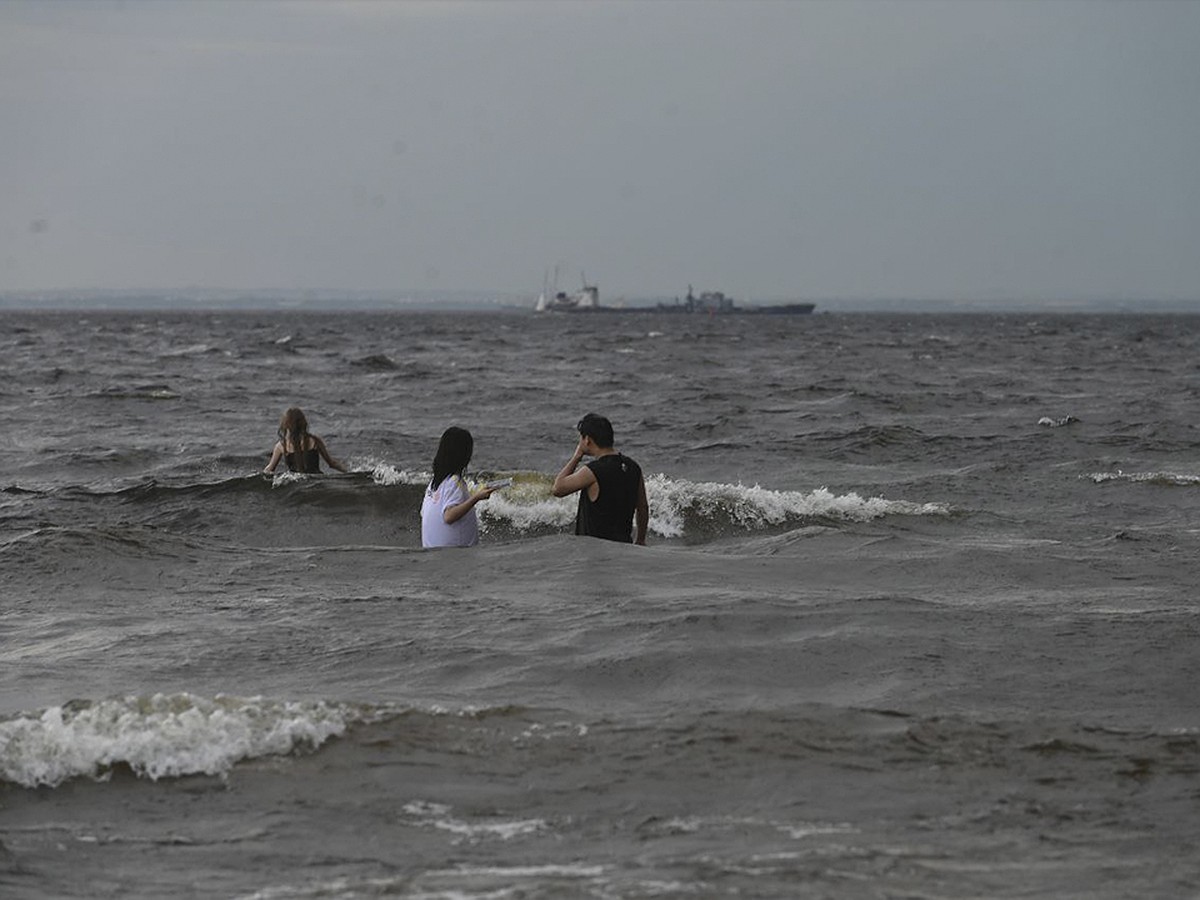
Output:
(918, 616)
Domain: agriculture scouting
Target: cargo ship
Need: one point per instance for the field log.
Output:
(715, 303)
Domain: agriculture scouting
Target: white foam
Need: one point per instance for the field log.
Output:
(755, 506)
(549, 870)
(526, 510)
(797, 831)
(437, 884)
(1047, 422)
(503, 830)
(811, 829)
(382, 473)
(386, 474)
(437, 815)
(557, 730)
(284, 478)
(162, 736)
(1143, 477)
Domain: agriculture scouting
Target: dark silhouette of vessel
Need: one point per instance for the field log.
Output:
(715, 303)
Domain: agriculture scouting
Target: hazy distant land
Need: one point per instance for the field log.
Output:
(201, 299)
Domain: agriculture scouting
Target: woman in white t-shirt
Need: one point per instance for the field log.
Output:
(448, 511)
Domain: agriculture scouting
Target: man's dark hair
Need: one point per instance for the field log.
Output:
(598, 428)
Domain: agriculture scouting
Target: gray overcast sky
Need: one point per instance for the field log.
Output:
(769, 149)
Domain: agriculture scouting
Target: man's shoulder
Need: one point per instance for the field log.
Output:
(619, 462)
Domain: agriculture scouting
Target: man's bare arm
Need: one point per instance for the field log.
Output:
(641, 512)
(568, 480)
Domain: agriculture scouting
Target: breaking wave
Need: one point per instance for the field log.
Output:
(681, 508)
(381, 502)
(163, 736)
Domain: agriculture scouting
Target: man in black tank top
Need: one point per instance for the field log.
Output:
(612, 491)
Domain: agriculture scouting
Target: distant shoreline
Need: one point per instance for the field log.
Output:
(478, 302)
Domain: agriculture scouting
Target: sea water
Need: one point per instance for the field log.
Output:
(917, 616)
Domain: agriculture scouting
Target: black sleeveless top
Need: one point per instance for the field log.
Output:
(310, 462)
(611, 515)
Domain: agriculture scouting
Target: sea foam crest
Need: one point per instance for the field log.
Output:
(674, 502)
(1047, 422)
(527, 507)
(382, 473)
(279, 479)
(1162, 478)
(387, 475)
(162, 736)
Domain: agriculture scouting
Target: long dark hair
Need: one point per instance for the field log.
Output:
(453, 453)
(293, 429)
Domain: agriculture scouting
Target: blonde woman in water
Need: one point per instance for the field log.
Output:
(301, 451)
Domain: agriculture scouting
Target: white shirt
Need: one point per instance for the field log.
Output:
(434, 530)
